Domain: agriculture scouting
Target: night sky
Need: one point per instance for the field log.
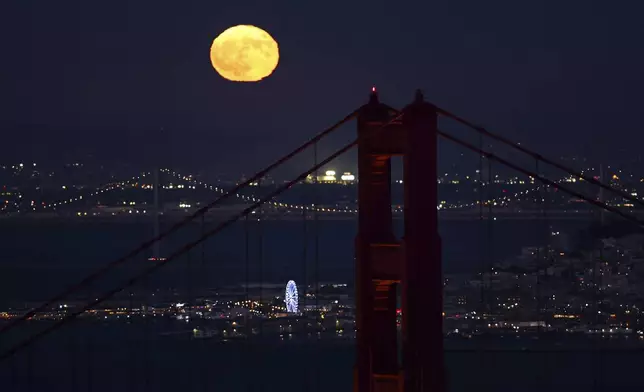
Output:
(103, 77)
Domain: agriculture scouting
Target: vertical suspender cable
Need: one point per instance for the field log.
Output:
(482, 309)
(73, 362)
(89, 354)
(546, 225)
(133, 357)
(88, 360)
(145, 306)
(261, 258)
(260, 232)
(149, 299)
(157, 225)
(305, 280)
(316, 249)
(490, 218)
(189, 292)
(247, 257)
(316, 245)
(490, 235)
(539, 265)
(188, 285)
(302, 301)
(14, 372)
(202, 287)
(250, 314)
(597, 351)
(490, 232)
(480, 190)
(188, 307)
(30, 370)
(547, 254)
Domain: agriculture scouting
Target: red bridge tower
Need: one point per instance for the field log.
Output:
(384, 263)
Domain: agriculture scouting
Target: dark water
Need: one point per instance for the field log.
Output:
(121, 357)
(39, 258)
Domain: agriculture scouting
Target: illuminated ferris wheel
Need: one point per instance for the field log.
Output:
(290, 297)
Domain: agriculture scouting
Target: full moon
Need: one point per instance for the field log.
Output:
(244, 53)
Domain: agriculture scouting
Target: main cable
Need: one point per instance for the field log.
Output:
(542, 179)
(147, 244)
(27, 342)
(538, 156)
(187, 247)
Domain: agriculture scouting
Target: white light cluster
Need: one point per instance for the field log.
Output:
(215, 188)
(291, 297)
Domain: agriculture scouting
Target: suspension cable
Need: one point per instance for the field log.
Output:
(202, 285)
(480, 189)
(483, 264)
(33, 338)
(14, 373)
(260, 232)
(305, 237)
(88, 361)
(539, 265)
(246, 257)
(538, 156)
(88, 342)
(490, 223)
(202, 290)
(30, 369)
(598, 298)
(249, 304)
(29, 341)
(72, 360)
(543, 179)
(316, 236)
(145, 313)
(147, 244)
(188, 282)
(189, 304)
(132, 347)
(548, 257)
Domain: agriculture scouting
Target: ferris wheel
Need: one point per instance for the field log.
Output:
(290, 297)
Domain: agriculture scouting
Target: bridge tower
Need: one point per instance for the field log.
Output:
(384, 263)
